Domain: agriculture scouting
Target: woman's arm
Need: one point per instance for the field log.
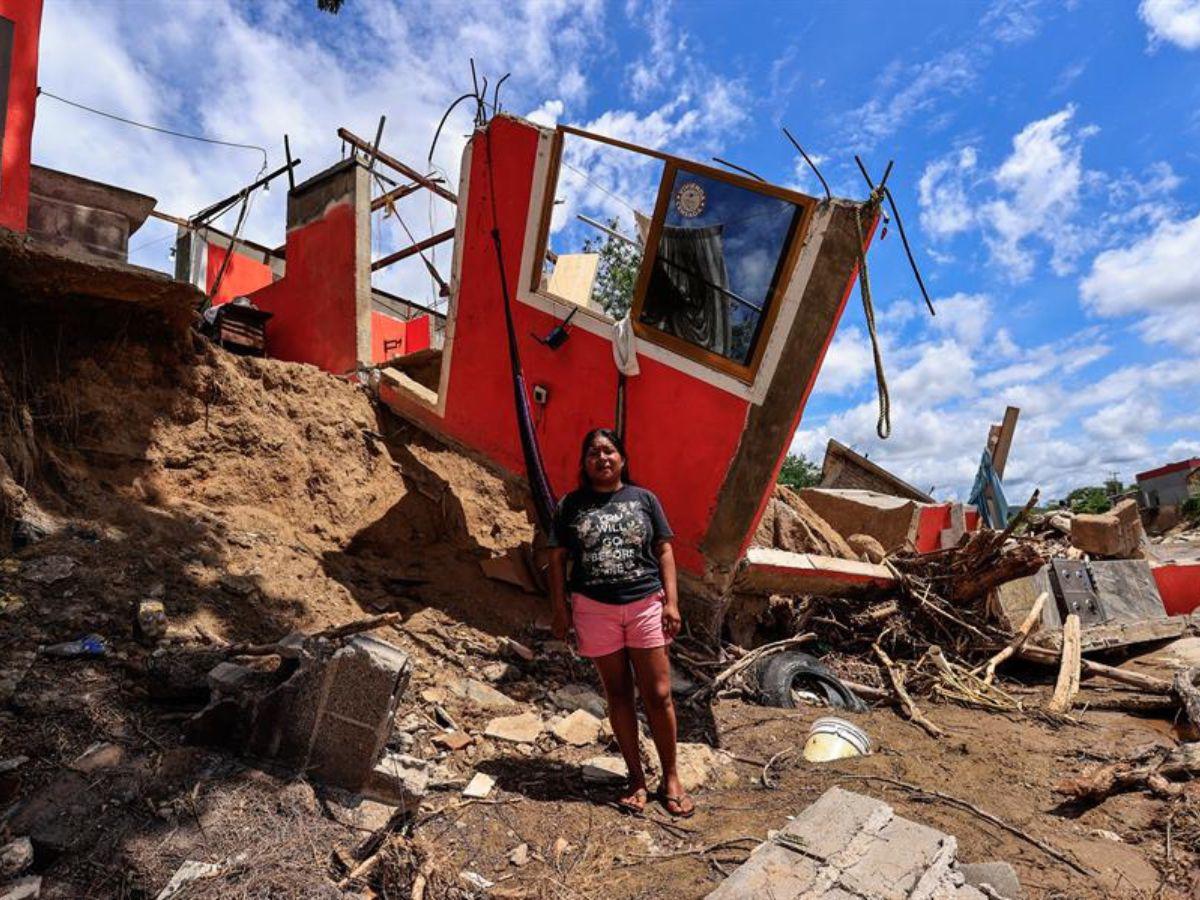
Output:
(672, 621)
(560, 624)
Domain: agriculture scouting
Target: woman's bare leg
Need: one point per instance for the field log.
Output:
(617, 677)
(653, 669)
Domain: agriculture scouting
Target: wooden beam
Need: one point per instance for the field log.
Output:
(395, 194)
(174, 220)
(1004, 440)
(413, 249)
(355, 141)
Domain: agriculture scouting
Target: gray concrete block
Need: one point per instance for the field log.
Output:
(829, 825)
(771, 871)
(398, 780)
(894, 861)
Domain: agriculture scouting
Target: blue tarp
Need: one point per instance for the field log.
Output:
(987, 479)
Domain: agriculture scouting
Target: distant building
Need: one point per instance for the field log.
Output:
(1170, 485)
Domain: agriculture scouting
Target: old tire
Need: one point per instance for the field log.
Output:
(783, 673)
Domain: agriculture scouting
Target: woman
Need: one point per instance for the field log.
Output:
(624, 604)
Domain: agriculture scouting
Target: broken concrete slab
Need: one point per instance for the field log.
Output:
(891, 520)
(570, 697)
(520, 729)
(479, 787)
(850, 846)
(482, 695)
(1116, 533)
(605, 770)
(327, 711)
(356, 811)
(578, 729)
(398, 780)
(788, 523)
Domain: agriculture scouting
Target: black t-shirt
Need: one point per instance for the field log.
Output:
(611, 539)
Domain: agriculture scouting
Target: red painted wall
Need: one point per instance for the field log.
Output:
(315, 303)
(682, 432)
(1179, 587)
(413, 335)
(930, 522)
(243, 276)
(26, 16)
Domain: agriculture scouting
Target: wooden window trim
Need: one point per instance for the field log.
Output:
(672, 165)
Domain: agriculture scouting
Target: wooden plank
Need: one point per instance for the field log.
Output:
(354, 140)
(1004, 440)
(1067, 685)
(573, 277)
(413, 249)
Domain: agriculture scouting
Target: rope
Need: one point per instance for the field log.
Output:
(883, 427)
(159, 129)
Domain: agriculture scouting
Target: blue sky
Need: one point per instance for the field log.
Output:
(1046, 166)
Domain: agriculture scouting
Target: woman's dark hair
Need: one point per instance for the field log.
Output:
(612, 438)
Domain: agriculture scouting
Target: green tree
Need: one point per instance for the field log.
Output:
(799, 472)
(1091, 499)
(617, 272)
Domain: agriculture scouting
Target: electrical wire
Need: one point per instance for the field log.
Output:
(159, 129)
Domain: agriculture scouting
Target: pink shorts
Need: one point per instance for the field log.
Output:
(604, 628)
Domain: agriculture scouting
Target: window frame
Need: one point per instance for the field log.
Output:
(672, 165)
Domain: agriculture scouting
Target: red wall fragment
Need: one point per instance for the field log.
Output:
(26, 16)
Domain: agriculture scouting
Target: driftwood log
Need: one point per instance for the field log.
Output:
(1184, 687)
(1067, 685)
(1134, 679)
(1167, 773)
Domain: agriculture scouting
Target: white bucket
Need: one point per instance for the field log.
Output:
(831, 738)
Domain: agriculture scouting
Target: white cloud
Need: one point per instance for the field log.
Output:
(906, 91)
(942, 193)
(1157, 276)
(1013, 21)
(1174, 21)
(847, 364)
(1040, 184)
(965, 317)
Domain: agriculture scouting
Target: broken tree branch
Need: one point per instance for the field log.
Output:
(1035, 616)
(906, 702)
(330, 634)
(1184, 687)
(1124, 676)
(1067, 685)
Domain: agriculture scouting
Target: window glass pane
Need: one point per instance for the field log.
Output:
(717, 264)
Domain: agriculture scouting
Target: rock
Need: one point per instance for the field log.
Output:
(578, 696)
(27, 888)
(190, 871)
(522, 729)
(578, 729)
(479, 787)
(241, 585)
(791, 524)
(398, 780)
(868, 548)
(554, 648)
(227, 678)
(99, 756)
(475, 880)
(480, 694)
(455, 740)
(519, 855)
(48, 569)
(700, 765)
(999, 876)
(605, 770)
(500, 671)
(561, 847)
(518, 650)
(15, 857)
(356, 811)
(151, 620)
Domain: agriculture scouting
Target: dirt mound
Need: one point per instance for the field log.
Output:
(791, 524)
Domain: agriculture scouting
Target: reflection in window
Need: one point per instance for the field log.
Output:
(718, 263)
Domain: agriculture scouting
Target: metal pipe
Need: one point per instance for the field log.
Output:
(287, 152)
(609, 231)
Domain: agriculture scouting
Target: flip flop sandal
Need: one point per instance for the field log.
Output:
(684, 812)
(627, 805)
